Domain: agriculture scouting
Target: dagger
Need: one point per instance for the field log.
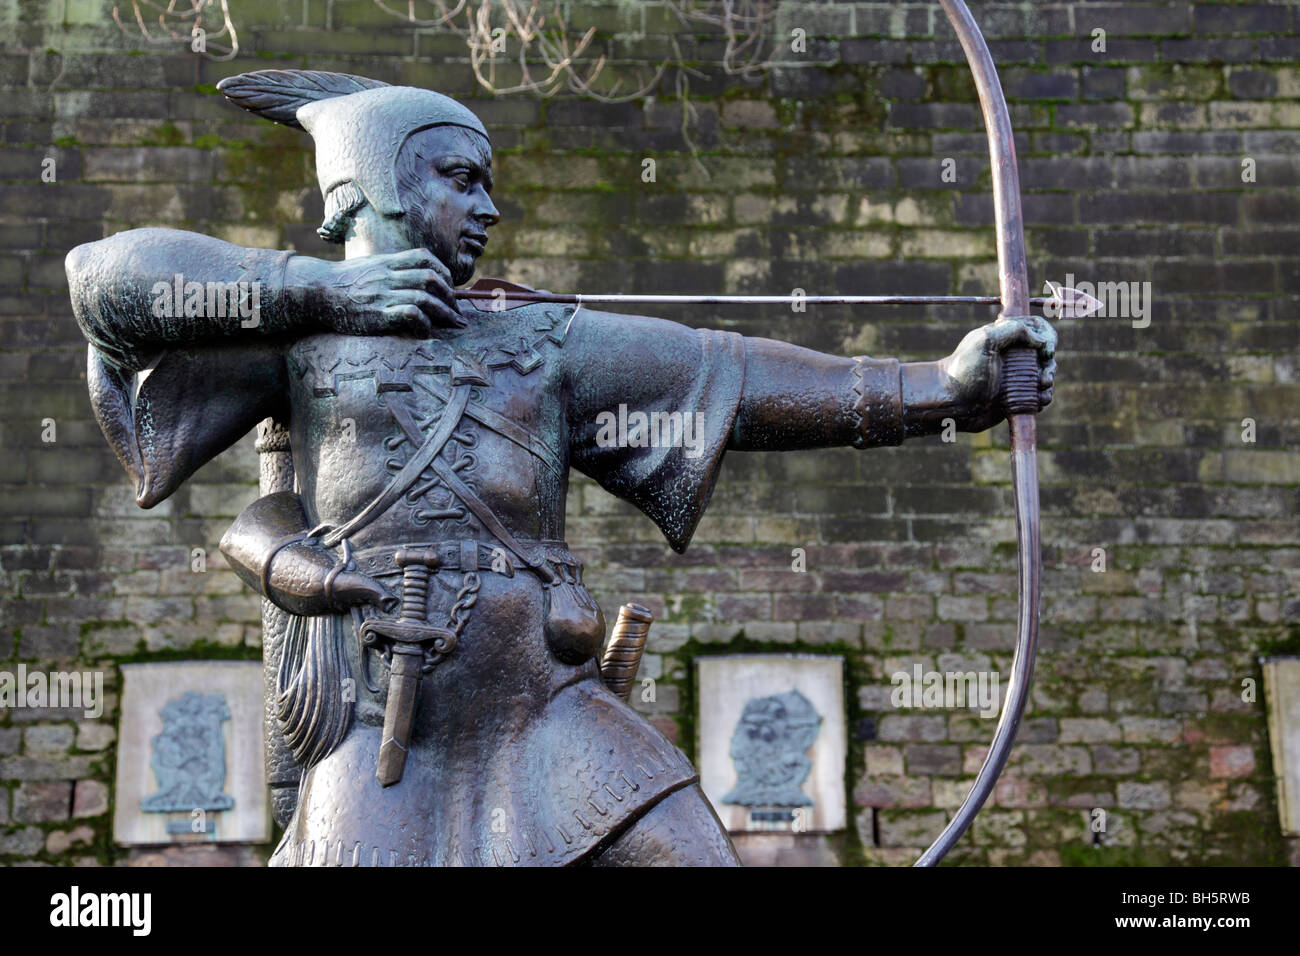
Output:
(407, 639)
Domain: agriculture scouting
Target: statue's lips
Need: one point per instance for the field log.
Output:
(475, 244)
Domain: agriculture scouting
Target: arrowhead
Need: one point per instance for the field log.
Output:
(1067, 303)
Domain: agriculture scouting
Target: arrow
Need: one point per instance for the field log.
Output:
(1066, 303)
(1063, 302)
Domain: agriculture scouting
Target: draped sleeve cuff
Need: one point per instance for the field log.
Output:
(877, 401)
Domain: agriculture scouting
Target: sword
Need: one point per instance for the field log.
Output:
(409, 638)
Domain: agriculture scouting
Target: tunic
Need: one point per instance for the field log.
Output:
(516, 756)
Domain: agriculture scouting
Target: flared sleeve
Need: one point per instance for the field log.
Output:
(650, 411)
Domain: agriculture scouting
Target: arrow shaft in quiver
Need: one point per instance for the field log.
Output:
(622, 658)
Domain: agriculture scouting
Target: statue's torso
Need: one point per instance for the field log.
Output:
(350, 395)
(515, 756)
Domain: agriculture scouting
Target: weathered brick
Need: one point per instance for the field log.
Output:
(1135, 19)
(61, 841)
(1142, 796)
(883, 791)
(932, 759)
(909, 828)
(1088, 730)
(42, 802)
(1050, 760)
(44, 768)
(1246, 18)
(90, 799)
(25, 842)
(1151, 730)
(1232, 762)
(922, 728)
(47, 739)
(1117, 761)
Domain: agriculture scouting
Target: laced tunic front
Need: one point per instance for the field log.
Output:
(517, 757)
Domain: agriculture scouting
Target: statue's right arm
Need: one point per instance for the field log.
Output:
(123, 291)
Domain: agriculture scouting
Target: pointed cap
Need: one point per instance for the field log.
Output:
(358, 136)
(359, 124)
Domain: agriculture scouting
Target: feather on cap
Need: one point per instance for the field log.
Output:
(358, 124)
(279, 94)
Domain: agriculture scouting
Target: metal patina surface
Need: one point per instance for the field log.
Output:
(435, 686)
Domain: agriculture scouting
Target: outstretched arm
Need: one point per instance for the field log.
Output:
(797, 398)
(653, 405)
(143, 291)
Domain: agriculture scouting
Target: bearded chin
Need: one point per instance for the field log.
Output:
(461, 268)
(460, 265)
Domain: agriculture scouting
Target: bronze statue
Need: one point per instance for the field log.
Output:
(438, 679)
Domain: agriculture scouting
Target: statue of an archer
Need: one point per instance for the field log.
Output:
(420, 555)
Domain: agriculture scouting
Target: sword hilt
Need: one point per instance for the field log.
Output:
(622, 657)
(411, 627)
(416, 563)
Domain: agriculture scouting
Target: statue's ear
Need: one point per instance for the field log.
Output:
(278, 94)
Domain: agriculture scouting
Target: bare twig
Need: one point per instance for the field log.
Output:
(176, 14)
(549, 58)
(445, 19)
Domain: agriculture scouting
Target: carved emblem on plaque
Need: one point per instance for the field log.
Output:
(769, 751)
(189, 756)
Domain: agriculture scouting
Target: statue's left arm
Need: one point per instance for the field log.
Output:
(798, 398)
(653, 405)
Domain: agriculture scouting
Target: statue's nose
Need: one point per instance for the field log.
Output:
(486, 211)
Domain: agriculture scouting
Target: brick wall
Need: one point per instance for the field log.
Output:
(1169, 158)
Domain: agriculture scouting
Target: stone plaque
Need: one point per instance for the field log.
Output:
(772, 741)
(1282, 691)
(190, 754)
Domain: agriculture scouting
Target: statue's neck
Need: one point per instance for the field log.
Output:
(372, 234)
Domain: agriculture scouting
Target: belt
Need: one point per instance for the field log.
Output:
(467, 556)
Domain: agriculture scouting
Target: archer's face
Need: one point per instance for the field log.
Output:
(445, 181)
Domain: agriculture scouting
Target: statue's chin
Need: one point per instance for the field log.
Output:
(462, 270)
